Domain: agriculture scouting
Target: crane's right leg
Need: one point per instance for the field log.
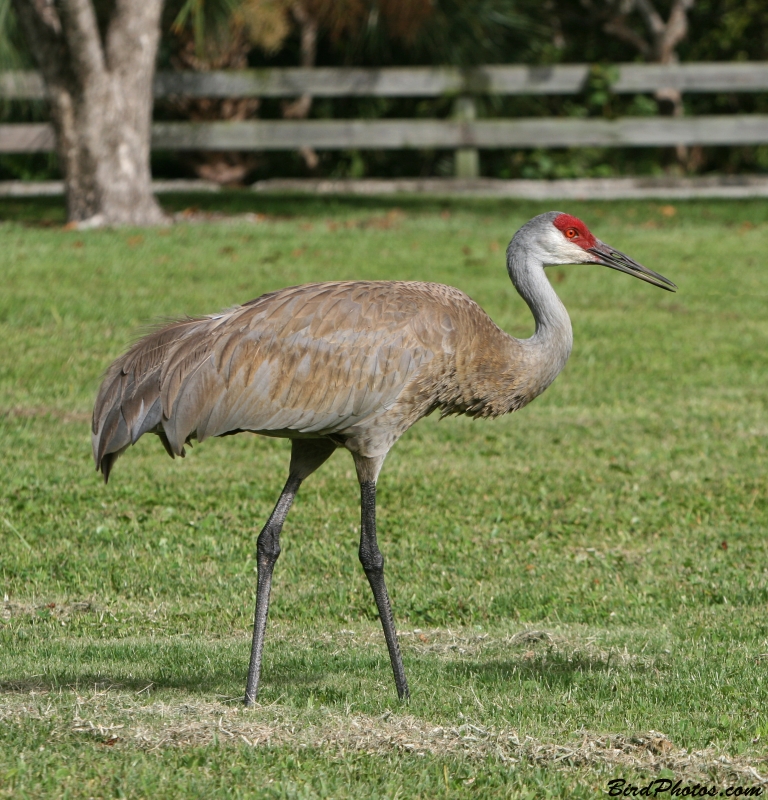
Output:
(373, 564)
(306, 456)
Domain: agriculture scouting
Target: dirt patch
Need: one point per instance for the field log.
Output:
(194, 216)
(57, 610)
(33, 412)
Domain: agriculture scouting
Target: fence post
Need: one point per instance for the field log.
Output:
(466, 160)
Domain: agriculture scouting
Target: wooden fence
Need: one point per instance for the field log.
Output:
(463, 132)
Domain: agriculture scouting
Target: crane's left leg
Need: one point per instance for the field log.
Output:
(373, 564)
(306, 456)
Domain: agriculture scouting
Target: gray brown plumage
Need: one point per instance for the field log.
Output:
(345, 364)
(353, 360)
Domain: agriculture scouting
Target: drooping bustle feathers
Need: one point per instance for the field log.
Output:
(129, 404)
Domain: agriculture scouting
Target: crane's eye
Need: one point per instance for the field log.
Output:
(571, 233)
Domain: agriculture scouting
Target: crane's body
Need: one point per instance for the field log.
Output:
(348, 364)
(357, 362)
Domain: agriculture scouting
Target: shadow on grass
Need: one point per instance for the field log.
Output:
(51, 211)
(551, 672)
(220, 667)
(40, 211)
(106, 679)
(194, 667)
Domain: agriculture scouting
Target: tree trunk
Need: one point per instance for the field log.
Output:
(100, 94)
(665, 37)
(299, 109)
(225, 167)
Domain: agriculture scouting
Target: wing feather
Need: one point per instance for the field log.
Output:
(311, 359)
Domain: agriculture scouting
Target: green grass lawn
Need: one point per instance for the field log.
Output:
(581, 588)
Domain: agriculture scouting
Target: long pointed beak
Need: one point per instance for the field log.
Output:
(614, 259)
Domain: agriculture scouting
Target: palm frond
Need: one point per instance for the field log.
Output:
(205, 18)
(14, 53)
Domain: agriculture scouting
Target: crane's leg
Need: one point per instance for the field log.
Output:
(306, 456)
(373, 564)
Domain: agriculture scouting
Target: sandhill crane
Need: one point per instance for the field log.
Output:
(348, 364)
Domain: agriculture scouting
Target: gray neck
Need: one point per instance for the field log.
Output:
(548, 349)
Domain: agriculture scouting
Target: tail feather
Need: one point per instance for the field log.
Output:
(109, 392)
(140, 401)
(167, 445)
(129, 402)
(106, 464)
(152, 419)
(114, 433)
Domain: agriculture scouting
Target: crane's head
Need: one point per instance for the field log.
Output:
(558, 238)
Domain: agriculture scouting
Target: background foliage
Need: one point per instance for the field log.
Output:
(206, 34)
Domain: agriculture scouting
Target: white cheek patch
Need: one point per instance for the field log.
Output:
(556, 249)
(579, 253)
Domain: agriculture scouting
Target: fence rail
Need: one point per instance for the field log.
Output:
(741, 129)
(432, 81)
(464, 133)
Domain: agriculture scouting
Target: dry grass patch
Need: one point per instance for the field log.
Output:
(61, 611)
(526, 645)
(116, 719)
(35, 412)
